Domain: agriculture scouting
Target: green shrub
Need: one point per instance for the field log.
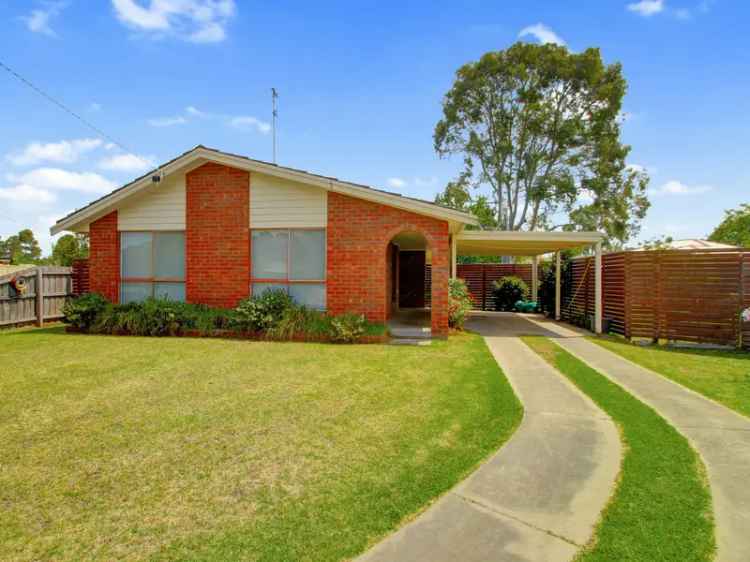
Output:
(160, 317)
(459, 303)
(83, 311)
(348, 328)
(300, 320)
(508, 291)
(260, 313)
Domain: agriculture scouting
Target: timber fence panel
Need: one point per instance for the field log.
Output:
(680, 295)
(48, 287)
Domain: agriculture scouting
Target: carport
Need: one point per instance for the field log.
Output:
(532, 244)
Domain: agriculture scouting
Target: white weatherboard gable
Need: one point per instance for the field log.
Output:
(161, 207)
(282, 203)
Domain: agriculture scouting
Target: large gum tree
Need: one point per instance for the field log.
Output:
(539, 131)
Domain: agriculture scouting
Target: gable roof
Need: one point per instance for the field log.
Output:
(201, 154)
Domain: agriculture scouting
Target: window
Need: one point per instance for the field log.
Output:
(293, 260)
(152, 264)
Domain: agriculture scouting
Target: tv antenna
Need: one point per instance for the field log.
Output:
(275, 114)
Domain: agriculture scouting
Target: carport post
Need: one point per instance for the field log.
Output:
(534, 277)
(557, 285)
(598, 289)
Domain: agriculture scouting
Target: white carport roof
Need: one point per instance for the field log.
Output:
(519, 243)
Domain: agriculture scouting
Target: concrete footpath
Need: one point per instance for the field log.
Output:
(720, 435)
(539, 497)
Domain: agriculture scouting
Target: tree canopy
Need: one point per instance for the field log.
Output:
(68, 248)
(21, 248)
(539, 128)
(735, 228)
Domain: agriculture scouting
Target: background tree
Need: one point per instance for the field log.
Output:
(68, 248)
(735, 228)
(540, 124)
(22, 247)
(457, 195)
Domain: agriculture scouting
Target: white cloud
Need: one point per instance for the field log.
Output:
(95, 107)
(639, 168)
(57, 179)
(195, 112)
(542, 33)
(167, 121)
(397, 183)
(248, 122)
(24, 193)
(646, 8)
(198, 21)
(38, 21)
(192, 113)
(675, 187)
(64, 152)
(127, 163)
(426, 182)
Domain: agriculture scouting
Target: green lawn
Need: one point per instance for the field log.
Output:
(203, 449)
(661, 507)
(723, 376)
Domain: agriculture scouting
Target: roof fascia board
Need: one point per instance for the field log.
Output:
(342, 187)
(100, 208)
(521, 236)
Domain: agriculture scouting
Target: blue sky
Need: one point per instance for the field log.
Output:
(361, 85)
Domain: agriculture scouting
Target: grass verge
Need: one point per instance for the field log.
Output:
(661, 507)
(201, 449)
(721, 375)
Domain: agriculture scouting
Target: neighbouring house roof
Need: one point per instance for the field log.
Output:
(690, 244)
(201, 154)
(7, 269)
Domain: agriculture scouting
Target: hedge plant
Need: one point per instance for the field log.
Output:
(508, 291)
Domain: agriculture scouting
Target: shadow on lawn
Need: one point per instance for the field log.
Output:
(674, 350)
(56, 330)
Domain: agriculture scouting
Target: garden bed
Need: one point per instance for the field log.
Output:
(301, 337)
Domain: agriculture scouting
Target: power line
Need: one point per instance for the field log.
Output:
(64, 107)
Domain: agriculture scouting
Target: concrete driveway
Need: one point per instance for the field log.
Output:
(539, 497)
(719, 435)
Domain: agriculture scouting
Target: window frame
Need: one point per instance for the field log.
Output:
(153, 280)
(286, 280)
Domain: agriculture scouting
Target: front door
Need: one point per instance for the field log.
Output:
(411, 279)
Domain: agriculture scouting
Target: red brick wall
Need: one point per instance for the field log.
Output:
(217, 235)
(104, 257)
(358, 235)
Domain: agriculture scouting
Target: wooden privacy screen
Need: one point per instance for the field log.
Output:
(479, 278)
(687, 295)
(80, 276)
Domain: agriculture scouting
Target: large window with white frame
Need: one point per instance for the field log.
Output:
(293, 260)
(152, 264)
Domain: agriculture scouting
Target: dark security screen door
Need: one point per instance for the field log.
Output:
(411, 279)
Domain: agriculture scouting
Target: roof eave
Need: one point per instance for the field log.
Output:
(100, 207)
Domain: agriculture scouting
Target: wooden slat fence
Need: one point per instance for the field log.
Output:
(683, 295)
(80, 276)
(48, 288)
(479, 278)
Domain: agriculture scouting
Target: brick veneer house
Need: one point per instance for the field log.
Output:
(211, 227)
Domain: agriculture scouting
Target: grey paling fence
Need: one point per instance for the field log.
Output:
(47, 289)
